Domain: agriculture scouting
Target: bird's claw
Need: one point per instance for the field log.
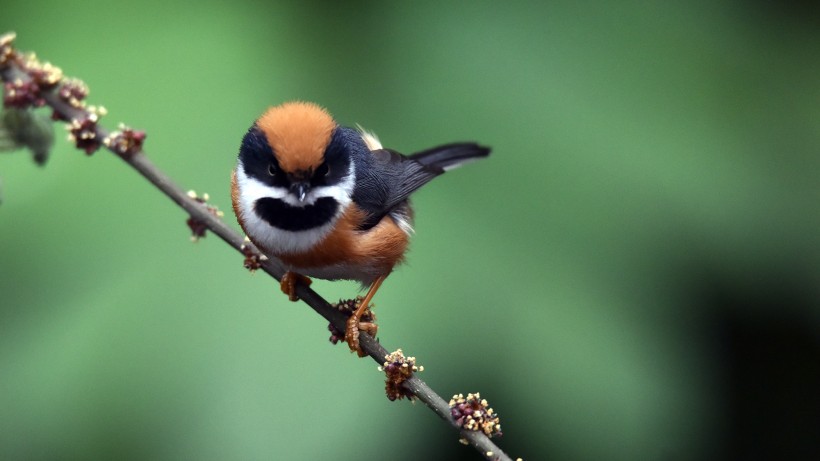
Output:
(352, 335)
(289, 281)
(352, 330)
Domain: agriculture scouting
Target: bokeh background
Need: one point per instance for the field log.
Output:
(633, 274)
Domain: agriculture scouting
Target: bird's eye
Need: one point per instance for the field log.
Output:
(272, 169)
(323, 170)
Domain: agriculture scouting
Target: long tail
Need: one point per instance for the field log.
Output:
(450, 156)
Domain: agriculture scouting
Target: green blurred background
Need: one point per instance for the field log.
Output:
(633, 274)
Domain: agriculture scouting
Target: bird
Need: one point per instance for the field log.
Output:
(329, 201)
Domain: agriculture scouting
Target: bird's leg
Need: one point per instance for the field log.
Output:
(352, 326)
(289, 281)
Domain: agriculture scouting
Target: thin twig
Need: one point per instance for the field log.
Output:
(139, 161)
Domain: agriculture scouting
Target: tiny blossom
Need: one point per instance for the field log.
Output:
(473, 413)
(398, 369)
(125, 141)
(7, 39)
(22, 94)
(198, 227)
(83, 132)
(367, 321)
(73, 91)
(6, 48)
(98, 110)
(253, 260)
(45, 75)
(42, 76)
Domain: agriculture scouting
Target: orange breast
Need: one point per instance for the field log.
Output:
(235, 201)
(379, 248)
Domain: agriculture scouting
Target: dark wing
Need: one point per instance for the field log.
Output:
(390, 177)
(451, 156)
(386, 182)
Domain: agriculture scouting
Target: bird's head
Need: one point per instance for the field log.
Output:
(295, 172)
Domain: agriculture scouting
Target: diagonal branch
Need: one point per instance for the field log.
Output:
(14, 71)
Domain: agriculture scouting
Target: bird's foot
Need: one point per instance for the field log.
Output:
(289, 281)
(352, 335)
(366, 323)
(352, 330)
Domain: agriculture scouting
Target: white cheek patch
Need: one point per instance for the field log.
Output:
(279, 240)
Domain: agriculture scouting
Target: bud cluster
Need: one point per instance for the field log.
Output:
(398, 369)
(46, 80)
(198, 227)
(474, 414)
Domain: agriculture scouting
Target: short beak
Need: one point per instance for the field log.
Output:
(300, 189)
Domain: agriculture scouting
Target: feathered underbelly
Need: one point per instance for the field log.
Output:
(350, 254)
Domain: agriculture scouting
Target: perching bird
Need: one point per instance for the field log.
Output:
(329, 201)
